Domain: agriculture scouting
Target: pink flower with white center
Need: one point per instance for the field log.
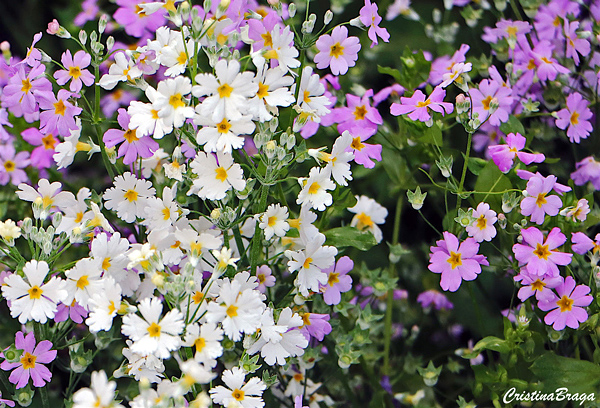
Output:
(364, 152)
(566, 309)
(537, 202)
(587, 170)
(338, 281)
(504, 155)
(359, 118)
(575, 45)
(31, 363)
(24, 89)
(483, 228)
(132, 145)
(455, 261)
(417, 106)
(575, 118)
(582, 243)
(74, 70)
(491, 93)
(538, 255)
(59, 114)
(12, 165)
(265, 278)
(369, 16)
(41, 156)
(533, 284)
(337, 51)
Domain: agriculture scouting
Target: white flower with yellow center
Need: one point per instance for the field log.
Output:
(46, 196)
(369, 213)
(171, 101)
(83, 281)
(226, 94)
(197, 244)
(73, 216)
(101, 393)
(273, 91)
(245, 394)
(9, 231)
(32, 299)
(311, 94)
(482, 228)
(128, 197)
(162, 212)
(314, 190)
(110, 252)
(151, 334)
(206, 339)
(273, 221)
(104, 306)
(216, 175)
(223, 135)
(145, 118)
(123, 69)
(280, 48)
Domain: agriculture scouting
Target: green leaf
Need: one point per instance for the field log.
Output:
(578, 376)
(513, 125)
(476, 164)
(389, 71)
(432, 135)
(492, 343)
(491, 179)
(350, 236)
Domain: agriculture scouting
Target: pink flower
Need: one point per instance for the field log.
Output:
(132, 145)
(547, 66)
(587, 170)
(417, 107)
(434, 298)
(576, 117)
(537, 203)
(503, 155)
(136, 23)
(41, 156)
(582, 243)
(511, 30)
(364, 152)
(337, 51)
(315, 325)
(370, 18)
(265, 278)
(74, 70)
(24, 90)
(338, 281)
(359, 118)
(491, 92)
(12, 165)
(538, 255)
(31, 363)
(566, 309)
(444, 64)
(455, 262)
(59, 114)
(75, 312)
(575, 45)
(53, 27)
(533, 284)
(89, 12)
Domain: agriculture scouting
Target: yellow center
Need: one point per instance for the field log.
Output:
(154, 330)
(26, 86)
(106, 263)
(223, 126)
(200, 343)
(79, 217)
(538, 285)
(182, 58)
(306, 319)
(268, 39)
(486, 102)
(75, 72)
(176, 101)
(314, 187)
(262, 90)
(35, 292)
(357, 144)
(224, 91)
(48, 141)
(198, 297)
(131, 136)
(28, 360)
(47, 201)
(261, 278)
(512, 31)
(9, 166)
(481, 222)
(111, 307)
(82, 282)
(423, 104)
(360, 112)
(60, 108)
(565, 303)
(574, 118)
(131, 195)
(298, 377)
(333, 278)
(271, 221)
(531, 64)
(455, 259)
(541, 200)
(154, 114)
(221, 174)
(232, 311)
(306, 263)
(306, 97)
(238, 394)
(337, 50)
(166, 213)
(364, 221)
(541, 251)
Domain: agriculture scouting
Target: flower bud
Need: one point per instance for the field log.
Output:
(102, 22)
(24, 396)
(53, 27)
(292, 10)
(328, 17)
(445, 165)
(416, 198)
(83, 36)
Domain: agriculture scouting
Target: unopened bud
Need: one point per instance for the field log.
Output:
(328, 17)
(416, 198)
(292, 10)
(83, 37)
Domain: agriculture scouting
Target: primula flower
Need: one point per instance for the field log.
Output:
(216, 175)
(434, 298)
(504, 155)
(74, 70)
(338, 280)
(310, 263)
(482, 100)
(578, 212)
(206, 339)
(533, 284)
(314, 190)
(575, 118)
(337, 51)
(265, 278)
(273, 221)
(24, 91)
(456, 261)
(101, 393)
(364, 152)
(281, 52)
(587, 169)
(537, 203)
(369, 213)
(12, 165)
(41, 156)
(32, 299)
(135, 21)
(31, 363)
(123, 69)
(128, 196)
(582, 243)
(247, 394)
(170, 101)
(315, 325)
(48, 195)
(482, 228)
(132, 144)
(417, 106)
(151, 334)
(369, 16)
(566, 309)
(538, 255)
(359, 118)
(575, 45)
(59, 114)
(511, 30)
(223, 136)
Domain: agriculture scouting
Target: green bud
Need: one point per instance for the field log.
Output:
(416, 198)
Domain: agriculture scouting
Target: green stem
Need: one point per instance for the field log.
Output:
(45, 399)
(464, 171)
(258, 233)
(387, 336)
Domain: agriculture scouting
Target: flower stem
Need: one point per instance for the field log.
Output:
(44, 395)
(464, 171)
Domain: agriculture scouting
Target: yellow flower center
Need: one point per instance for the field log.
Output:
(198, 297)
(306, 263)
(314, 188)
(538, 285)
(298, 377)
(131, 136)
(232, 311)
(26, 85)
(364, 221)
(176, 101)
(565, 303)
(224, 91)
(223, 126)
(337, 50)
(481, 222)
(28, 360)
(221, 174)
(262, 90)
(154, 114)
(238, 394)
(9, 166)
(182, 58)
(306, 319)
(574, 118)
(357, 144)
(82, 282)
(333, 278)
(268, 39)
(360, 112)
(423, 104)
(200, 343)
(75, 72)
(154, 330)
(261, 278)
(166, 213)
(541, 200)
(131, 195)
(306, 97)
(512, 31)
(48, 141)
(541, 251)
(60, 108)
(271, 221)
(455, 259)
(35, 292)
(106, 263)
(486, 102)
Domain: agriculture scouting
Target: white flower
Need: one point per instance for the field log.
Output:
(315, 189)
(224, 135)
(482, 228)
(123, 69)
(197, 244)
(161, 397)
(227, 93)
(279, 341)
(152, 335)
(145, 118)
(206, 339)
(368, 214)
(310, 94)
(83, 281)
(194, 372)
(46, 196)
(65, 152)
(224, 259)
(338, 161)
(94, 218)
(273, 221)
(237, 311)
(9, 231)
(177, 167)
(128, 197)
(32, 299)
(162, 212)
(73, 215)
(280, 49)
(304, 223)
(101, 393)
(310, 263)
(172, 108)
(248, 394)
(149, 367)
(215, 178)
(272, 91)
(104, 305)
(177, 55)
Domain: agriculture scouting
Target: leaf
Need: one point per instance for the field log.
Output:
(513, 125)
(491, 179)
(389, 71)
(476, 164)
(492, 343)
(578, 376)
(350, 236)
(432, 135)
